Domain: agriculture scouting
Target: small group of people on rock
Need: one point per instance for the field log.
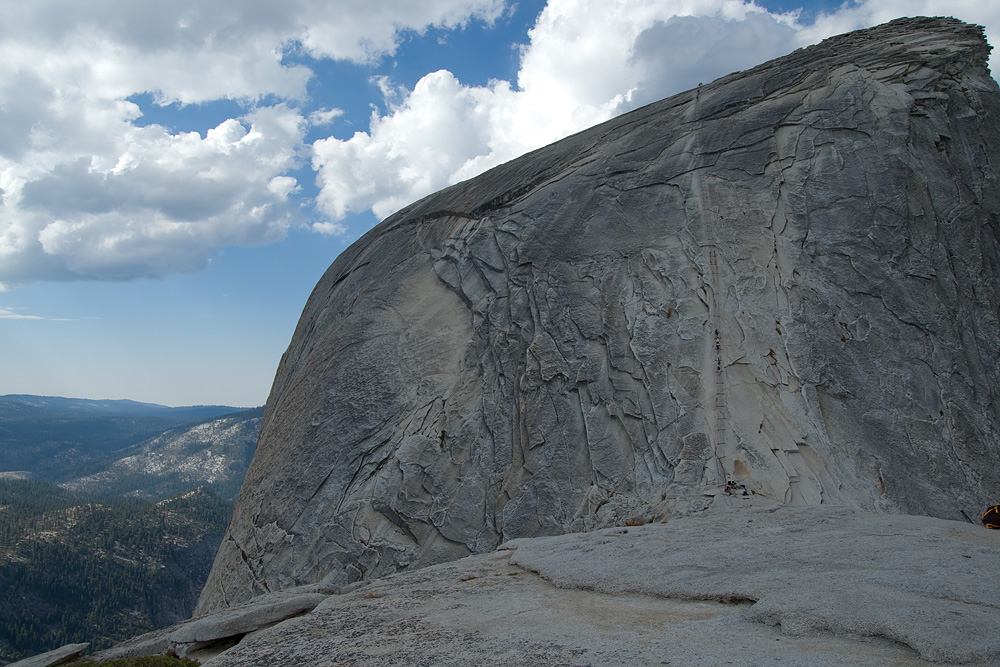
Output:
(734, 488)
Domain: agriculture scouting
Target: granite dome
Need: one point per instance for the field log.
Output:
(785, 279)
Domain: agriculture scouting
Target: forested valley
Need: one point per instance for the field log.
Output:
(76, 570)
(123, 546)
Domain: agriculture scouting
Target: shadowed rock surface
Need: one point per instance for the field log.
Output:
(534, 351)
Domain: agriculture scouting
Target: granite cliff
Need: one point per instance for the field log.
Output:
(786, 278)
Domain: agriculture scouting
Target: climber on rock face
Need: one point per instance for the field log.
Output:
(991, 517)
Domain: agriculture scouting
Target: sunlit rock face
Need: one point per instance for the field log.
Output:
(786, 278)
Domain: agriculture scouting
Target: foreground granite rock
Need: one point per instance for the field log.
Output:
(745, 585)
(787, 277)
(204, 637)
(59, 656)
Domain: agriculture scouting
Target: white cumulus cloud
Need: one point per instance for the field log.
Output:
(87, 192)
(156, 203)
(415, 149)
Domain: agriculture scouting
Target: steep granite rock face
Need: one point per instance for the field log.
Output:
(787, 278)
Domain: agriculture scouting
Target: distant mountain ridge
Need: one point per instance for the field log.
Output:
(59, 439)
(114, 406)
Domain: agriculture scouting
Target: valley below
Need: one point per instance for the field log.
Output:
(125, 548)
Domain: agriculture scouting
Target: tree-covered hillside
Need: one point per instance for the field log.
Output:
(110, 515)
(214, 453)
(73, 569)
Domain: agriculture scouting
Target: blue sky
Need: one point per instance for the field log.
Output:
(175, 177)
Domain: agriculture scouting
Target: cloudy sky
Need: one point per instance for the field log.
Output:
(176, 176)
